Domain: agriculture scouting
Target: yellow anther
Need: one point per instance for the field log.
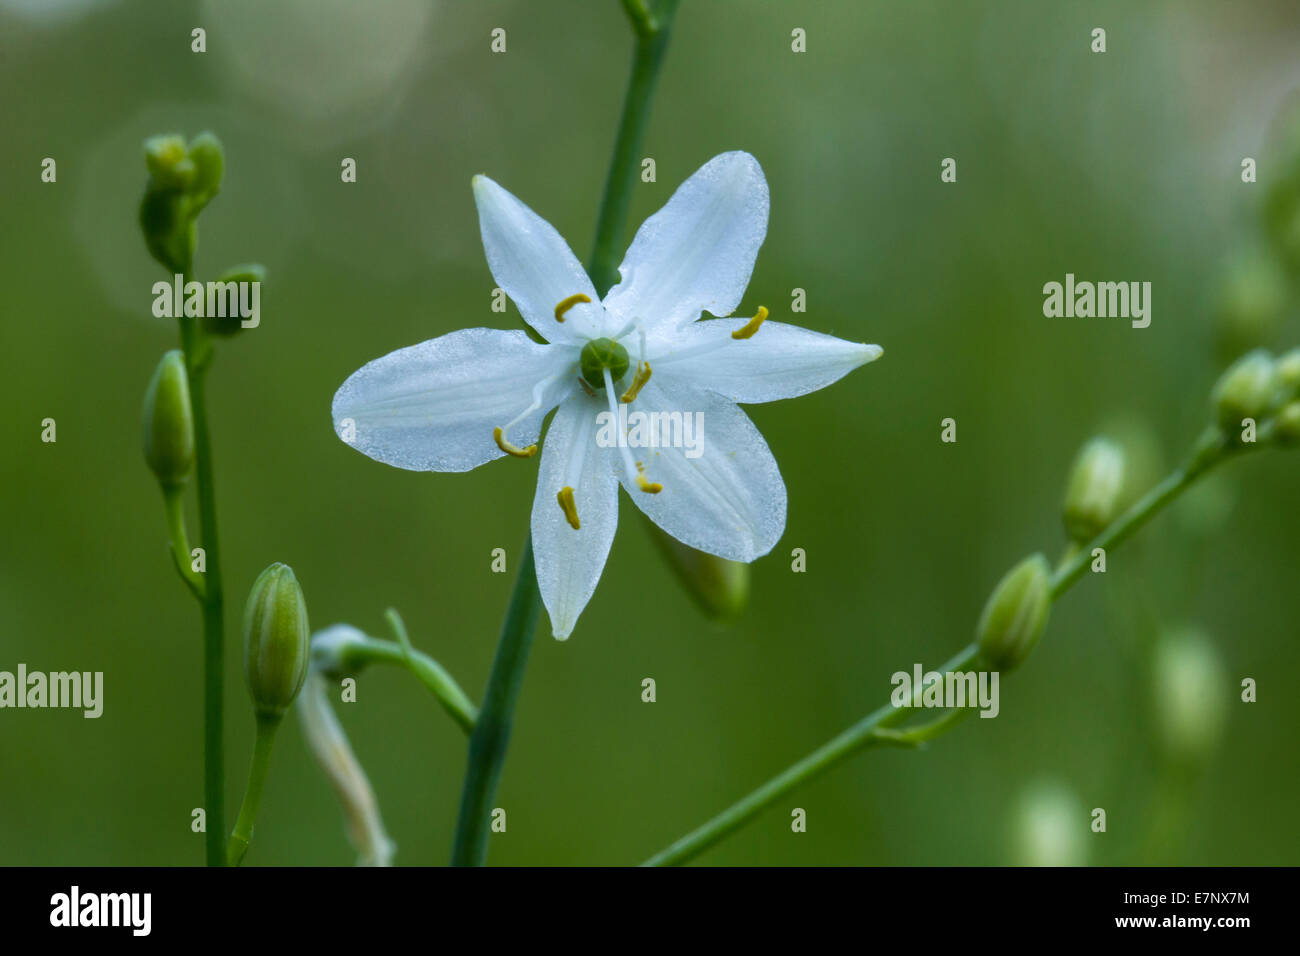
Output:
(638, 382)
(644, 483)
(500, 435)
(750, 327)
(565, 498)
(566, 304)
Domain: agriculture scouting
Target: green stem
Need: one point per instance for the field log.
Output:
(267, 725)
(491, 736)
(174, 505)
(861, 736)
(197, 356)
(872, 730)
(356, 654)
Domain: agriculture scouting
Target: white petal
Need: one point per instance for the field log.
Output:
(778, 361)
(569, 560)
(433, 406)
(697, 252)
(533, 264)
(729, 500)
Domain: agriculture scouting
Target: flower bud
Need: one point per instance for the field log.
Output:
(209, 162)
(1092, 495)
(1287, 424)
(1252, 304)
(276, 638)
(168, 422)
(232, 321)
(1050, 827)
(1288, 373)
(1016, 614)
(1247, 389)
(170, 168)
(719, 586)
(168, 231)
(1190, 695)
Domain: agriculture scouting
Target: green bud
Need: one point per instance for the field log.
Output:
(231, 324)
(598, 355)
(1287, 424)
(1190, 695)
(170, 168)
(1047, 829)
(168, 230)
(169, 422)
(1092, 495)
(719, 586)
(1016, 614)
(276, 640)
(1288, 373)
(1252, 303)
(1248, 389)
(209, 164)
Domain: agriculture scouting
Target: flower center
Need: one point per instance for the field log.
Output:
(599, 356)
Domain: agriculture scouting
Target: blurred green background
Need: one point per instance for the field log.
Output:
(1122, 166)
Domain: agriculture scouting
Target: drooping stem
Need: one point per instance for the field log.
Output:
(242, 836)
(1210, 451)
(491, 736)
(197, 356)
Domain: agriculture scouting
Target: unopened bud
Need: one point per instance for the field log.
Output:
(1190, 695)
(719, 586)
(1248, 389)
(1288, 373)
(1092, 494)
(238, 286)
(209, 162)
(168, 422)
(276, 639)
(1016, 614)
(170, 167)
(1050, 827)
(1252, 303)
(1287, 424)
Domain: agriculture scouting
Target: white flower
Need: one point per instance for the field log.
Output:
(457, 401)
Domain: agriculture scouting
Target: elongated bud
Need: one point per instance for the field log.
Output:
(1093, 493)
(1287, 424)
(1016, 614)
(1248, 389)
(1288, 373)
(168, 422)
(276, 639)
(719, 586)
(1050, 827)
(1189, 694)
(209, 161)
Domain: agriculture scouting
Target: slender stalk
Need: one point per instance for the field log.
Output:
(872, 730)
(242, 836)
(428, 671)
(491, 736)
(197, 355)
(174, 505)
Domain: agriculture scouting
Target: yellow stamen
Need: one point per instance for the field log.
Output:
(750, 327)
(500, 435)
(565, 498)
(566, 304)
(638, 382)
(644, 483)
